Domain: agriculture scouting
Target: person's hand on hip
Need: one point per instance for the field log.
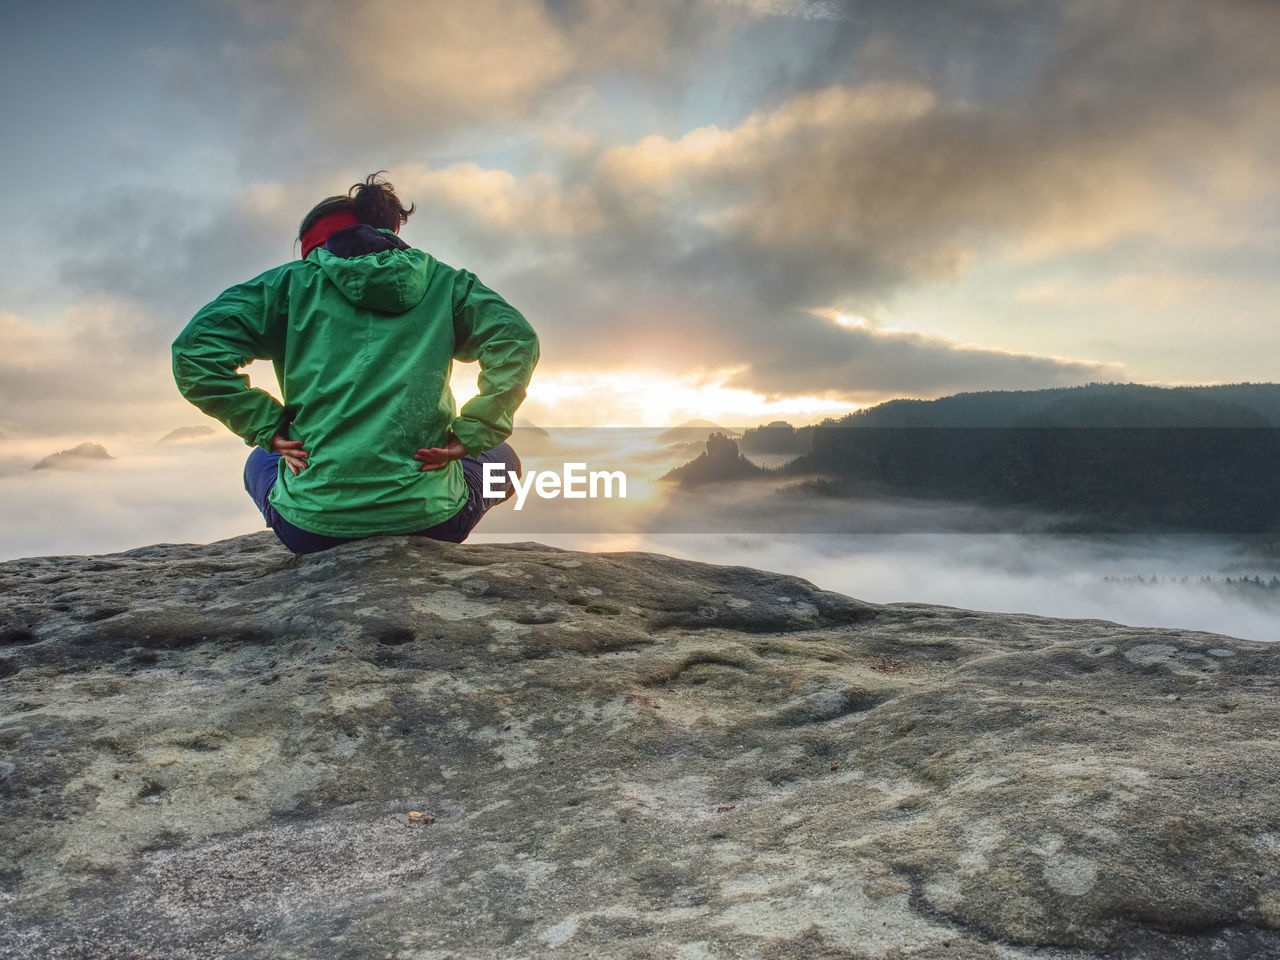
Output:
(295, 457)
(433, 458)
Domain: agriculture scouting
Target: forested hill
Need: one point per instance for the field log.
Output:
(1091, 405)
(1121, 456)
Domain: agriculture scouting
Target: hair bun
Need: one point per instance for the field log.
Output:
(374, 202)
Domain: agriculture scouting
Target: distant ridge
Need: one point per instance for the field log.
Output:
(697, 430)
(1089, 405)
(1109, 457)
(80, 455)
(186, 433)
(529, 429)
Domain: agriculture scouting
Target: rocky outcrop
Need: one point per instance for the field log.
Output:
(216, 751)
(81, 455)
(720, 462)
(185, 434)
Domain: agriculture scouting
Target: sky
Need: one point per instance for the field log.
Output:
(729, 210)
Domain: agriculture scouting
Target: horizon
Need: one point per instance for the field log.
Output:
(266, 381)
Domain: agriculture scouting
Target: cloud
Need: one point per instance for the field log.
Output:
(802, 9)
(708, 250)
(896, 184)
(96, 368)
(147, 493)
(167, 252)
(138, 263)
(442, 62)
(399, 67)
(1140, 125)
(867, 365)
(1133, 290)
(900, 164)
(497, 202)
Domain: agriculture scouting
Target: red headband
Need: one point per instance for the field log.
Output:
(324, 228)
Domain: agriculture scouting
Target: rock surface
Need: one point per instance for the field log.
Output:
(214, 750)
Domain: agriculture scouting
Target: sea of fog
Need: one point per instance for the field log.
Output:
(191, 491)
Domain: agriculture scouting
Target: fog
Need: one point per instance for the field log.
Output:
(181, 492)
(191, 490)
(1038, 574)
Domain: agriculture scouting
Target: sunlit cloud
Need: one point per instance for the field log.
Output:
(91, 368)
(1143, 291)
(496, 200)
(852, 321)
(643, 398)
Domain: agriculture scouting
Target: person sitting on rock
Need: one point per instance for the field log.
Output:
(362, 332)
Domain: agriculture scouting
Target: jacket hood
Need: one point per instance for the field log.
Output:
(391, 281)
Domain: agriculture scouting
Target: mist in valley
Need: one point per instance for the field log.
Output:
(189, 489)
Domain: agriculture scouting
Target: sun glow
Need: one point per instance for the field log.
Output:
(853, 321)
(630, 398)
(638, 398)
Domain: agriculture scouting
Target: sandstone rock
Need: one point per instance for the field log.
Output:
(214, 750)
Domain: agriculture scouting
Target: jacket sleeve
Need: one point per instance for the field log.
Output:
(488, 329)
(225, 335)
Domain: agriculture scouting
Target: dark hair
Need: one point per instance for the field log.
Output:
(373, 201)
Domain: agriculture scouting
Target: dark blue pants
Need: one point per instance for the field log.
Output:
(261, 472)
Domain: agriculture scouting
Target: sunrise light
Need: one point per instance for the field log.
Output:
(639, 398)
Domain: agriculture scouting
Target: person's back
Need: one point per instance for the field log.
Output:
(362, 333)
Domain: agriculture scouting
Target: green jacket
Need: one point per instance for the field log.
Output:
(362, 349)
